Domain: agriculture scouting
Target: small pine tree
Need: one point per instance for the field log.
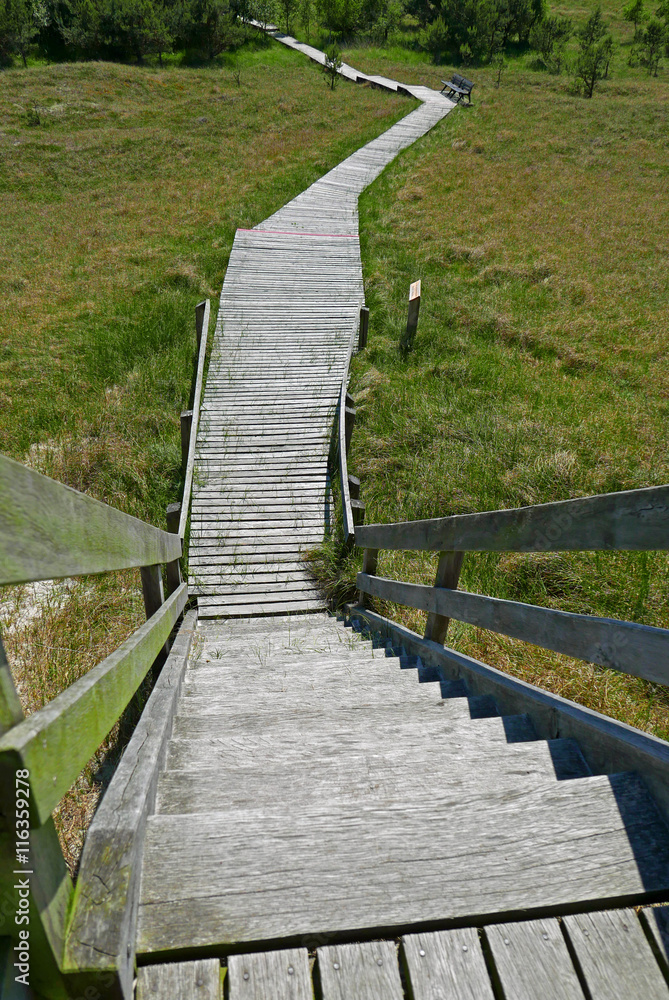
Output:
(549, 37)
(652, 42)
(634, 13)
(596, 52)
(332, 64)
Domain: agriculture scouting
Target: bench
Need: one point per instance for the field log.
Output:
(458, 87)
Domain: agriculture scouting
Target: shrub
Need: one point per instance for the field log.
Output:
(332, 65)
(549, 37)
(596, 51)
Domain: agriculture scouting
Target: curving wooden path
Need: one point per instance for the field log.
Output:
(289, 312)
(333, 816)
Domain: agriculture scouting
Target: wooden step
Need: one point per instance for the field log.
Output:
(295, 740)
(321, 870)
(370, 777)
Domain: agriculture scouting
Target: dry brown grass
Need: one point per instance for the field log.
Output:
(54, 634)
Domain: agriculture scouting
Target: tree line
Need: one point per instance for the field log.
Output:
(461, 31)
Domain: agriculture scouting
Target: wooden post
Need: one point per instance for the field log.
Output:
(369, 563)
(173, 569)
(46, 877)
(354, 487)
(199, 320)
(448, 574)
(358, 508)
(363, 329)
(349, 421)
(186, 424)
(152, 589)
(406, 343)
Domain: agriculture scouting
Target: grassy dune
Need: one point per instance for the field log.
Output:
(538, 222)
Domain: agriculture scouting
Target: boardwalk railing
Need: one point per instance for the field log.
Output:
(636, 520)
(49, 531)
(177, 514)
(352, 509)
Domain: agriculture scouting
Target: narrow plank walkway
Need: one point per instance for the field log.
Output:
(613, 955)
(333, 817)
(288, 318)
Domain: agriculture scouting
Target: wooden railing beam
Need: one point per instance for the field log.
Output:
(638, 650)
(633, 520)
(57, 741)
(49, 531)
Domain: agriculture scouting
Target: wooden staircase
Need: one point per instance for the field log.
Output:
(318, 789)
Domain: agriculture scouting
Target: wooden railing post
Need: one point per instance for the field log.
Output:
(369, 563)
(186, 424)
(358, 508)
(173, 569)
(448, 575)
(364, 328)
(154, 597)
(349, 421)
(40, 869)
(199, 320)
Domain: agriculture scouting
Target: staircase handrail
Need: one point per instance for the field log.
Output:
(50, 531)
(631, 520)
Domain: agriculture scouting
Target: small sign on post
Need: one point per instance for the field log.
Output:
(406, 342)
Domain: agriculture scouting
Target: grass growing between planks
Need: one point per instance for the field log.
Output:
(539, 225)
(120, 192)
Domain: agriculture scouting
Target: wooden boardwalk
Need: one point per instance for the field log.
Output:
(333, 812)
(289, 313)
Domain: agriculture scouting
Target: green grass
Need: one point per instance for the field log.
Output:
(120, 192)
(537, 221)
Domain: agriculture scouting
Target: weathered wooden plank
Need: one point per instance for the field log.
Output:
(272, 975)
(630, 520)
(567, 843)
(447, 965)
(634, 649)
(49, 531)
(607, 745)
(222, 610)
(368, 778)
(532, 960)
(104, 913)
(615, 957)
(200, 980)
(56, 742)
(281, 740)
(366, 971)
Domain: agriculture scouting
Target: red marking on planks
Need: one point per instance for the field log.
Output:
(287, 232)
